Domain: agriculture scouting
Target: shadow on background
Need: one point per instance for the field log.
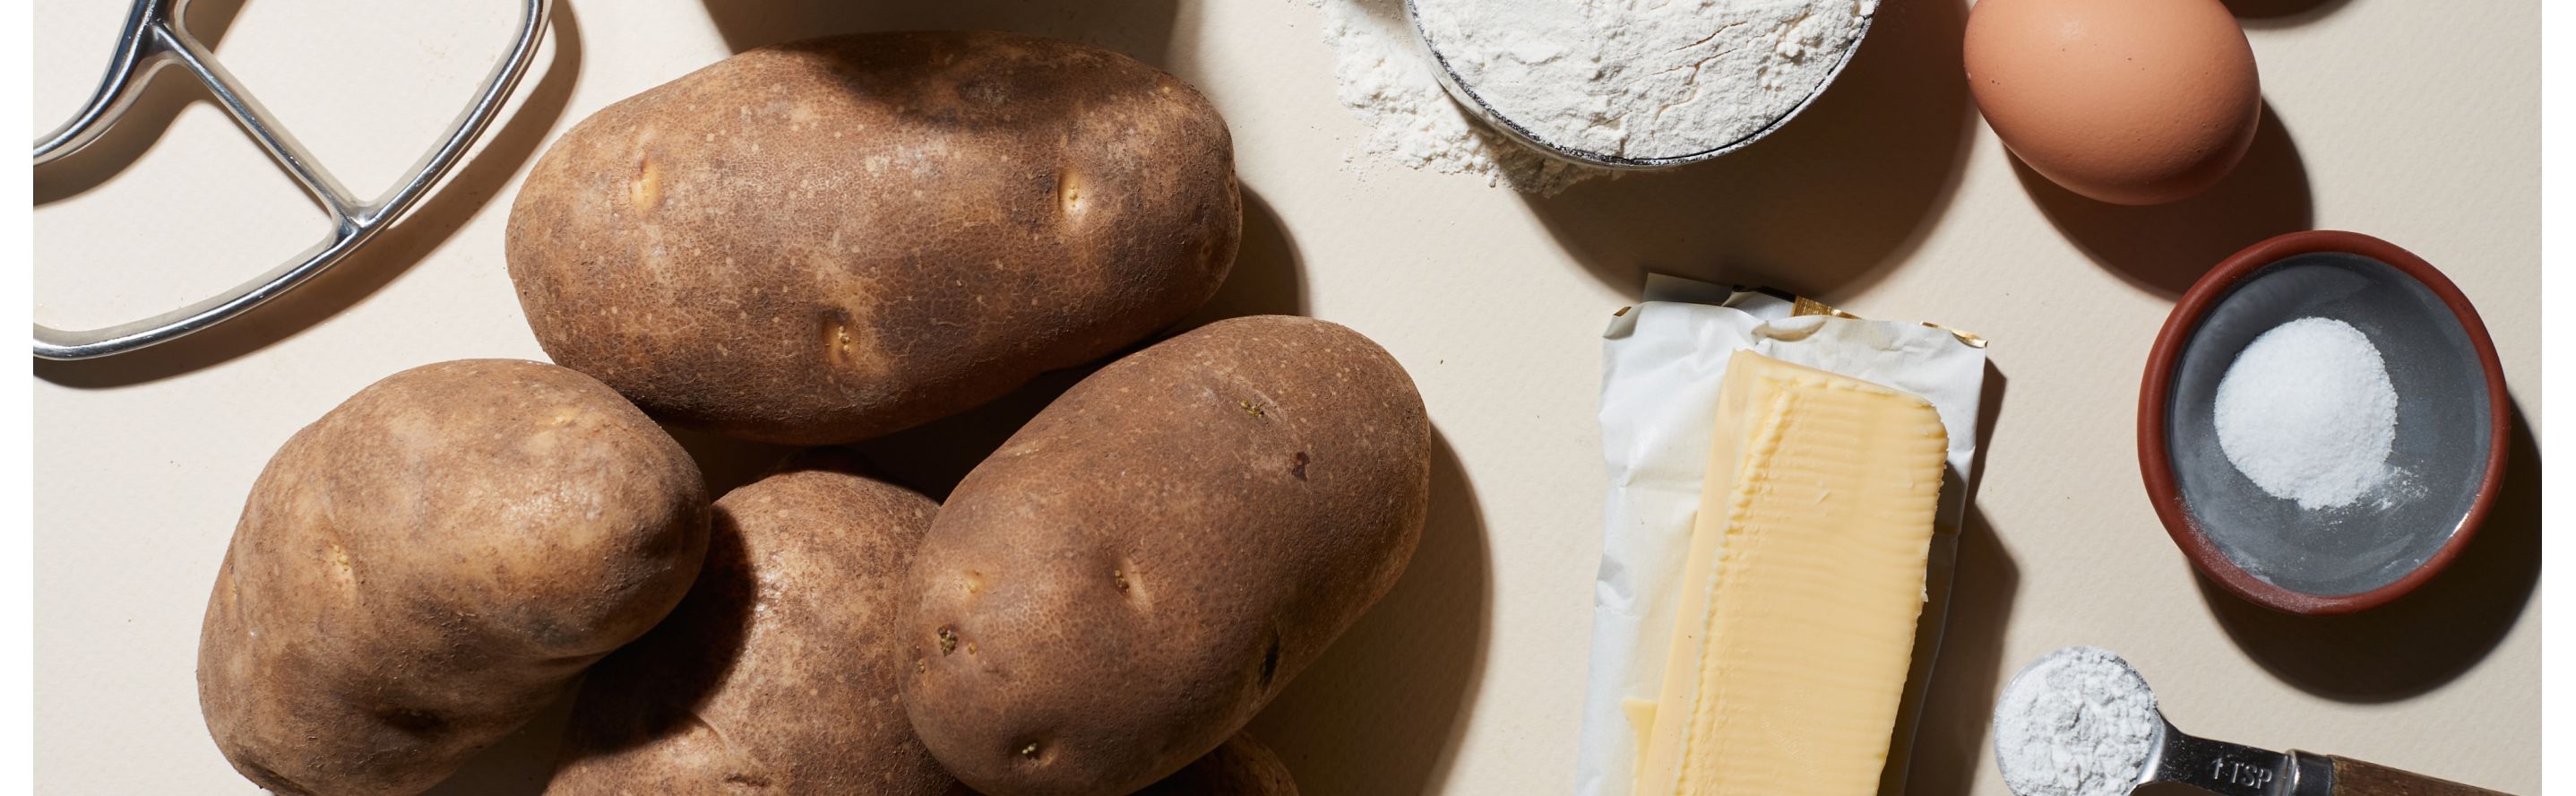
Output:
(1950, 734)
(2164, 248)
(143, 123)
(1820, 208)
(2281, 13)
(1139, 28)
(1967, 672)
(1266, 277)
(507, 146)
(1383, 710)
(2423, 639)
(931, 458)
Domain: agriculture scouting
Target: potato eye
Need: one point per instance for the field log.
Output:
(1270, 662)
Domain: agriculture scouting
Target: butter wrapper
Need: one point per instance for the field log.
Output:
(1661, 362)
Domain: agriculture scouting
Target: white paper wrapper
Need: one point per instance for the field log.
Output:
(1660, 367)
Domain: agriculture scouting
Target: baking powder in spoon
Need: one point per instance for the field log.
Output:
(2079, 722)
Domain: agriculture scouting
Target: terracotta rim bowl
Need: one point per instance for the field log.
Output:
(2156, 462)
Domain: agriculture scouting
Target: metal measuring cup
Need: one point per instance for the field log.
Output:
(1466, 96)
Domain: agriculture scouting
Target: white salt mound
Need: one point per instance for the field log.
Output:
(2307, 413)
(2079, 722)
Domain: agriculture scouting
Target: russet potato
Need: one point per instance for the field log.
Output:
(777, 674)
(1242, 767)
(421, 570)
(1148, 561)
(824, 241)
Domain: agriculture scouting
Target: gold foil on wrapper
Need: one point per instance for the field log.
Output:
(1802, 306)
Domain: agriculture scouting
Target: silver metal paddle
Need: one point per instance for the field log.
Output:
(153, 37)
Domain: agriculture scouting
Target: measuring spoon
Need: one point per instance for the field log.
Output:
(2231, 769)
(2240, 770)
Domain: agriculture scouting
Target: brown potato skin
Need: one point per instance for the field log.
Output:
(824, 241)
(421, 570)
(777, 674)
(1124, 583)
(1242, 767)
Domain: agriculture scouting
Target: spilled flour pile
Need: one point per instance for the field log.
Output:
(1389, 83)
(1630, 78)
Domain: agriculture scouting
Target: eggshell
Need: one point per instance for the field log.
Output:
(2126, 101)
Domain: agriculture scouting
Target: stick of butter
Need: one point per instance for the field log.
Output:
(1800, 595)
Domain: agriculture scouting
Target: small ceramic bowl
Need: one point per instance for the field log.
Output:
(2449, 452)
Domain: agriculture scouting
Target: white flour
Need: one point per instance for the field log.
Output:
(1644, 78)
(1389, 83)
(2307, 413)
(2079, 722)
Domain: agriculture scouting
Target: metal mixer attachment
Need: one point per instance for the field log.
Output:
(153, 37)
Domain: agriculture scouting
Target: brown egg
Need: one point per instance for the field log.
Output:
(2127, 101)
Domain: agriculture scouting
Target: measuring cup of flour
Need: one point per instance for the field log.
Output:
(1634, 84)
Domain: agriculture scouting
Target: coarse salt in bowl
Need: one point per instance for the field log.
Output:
(2262, 413)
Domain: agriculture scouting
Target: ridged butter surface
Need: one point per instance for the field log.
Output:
(1804, 582)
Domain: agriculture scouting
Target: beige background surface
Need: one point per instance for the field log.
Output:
(2414, 121)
